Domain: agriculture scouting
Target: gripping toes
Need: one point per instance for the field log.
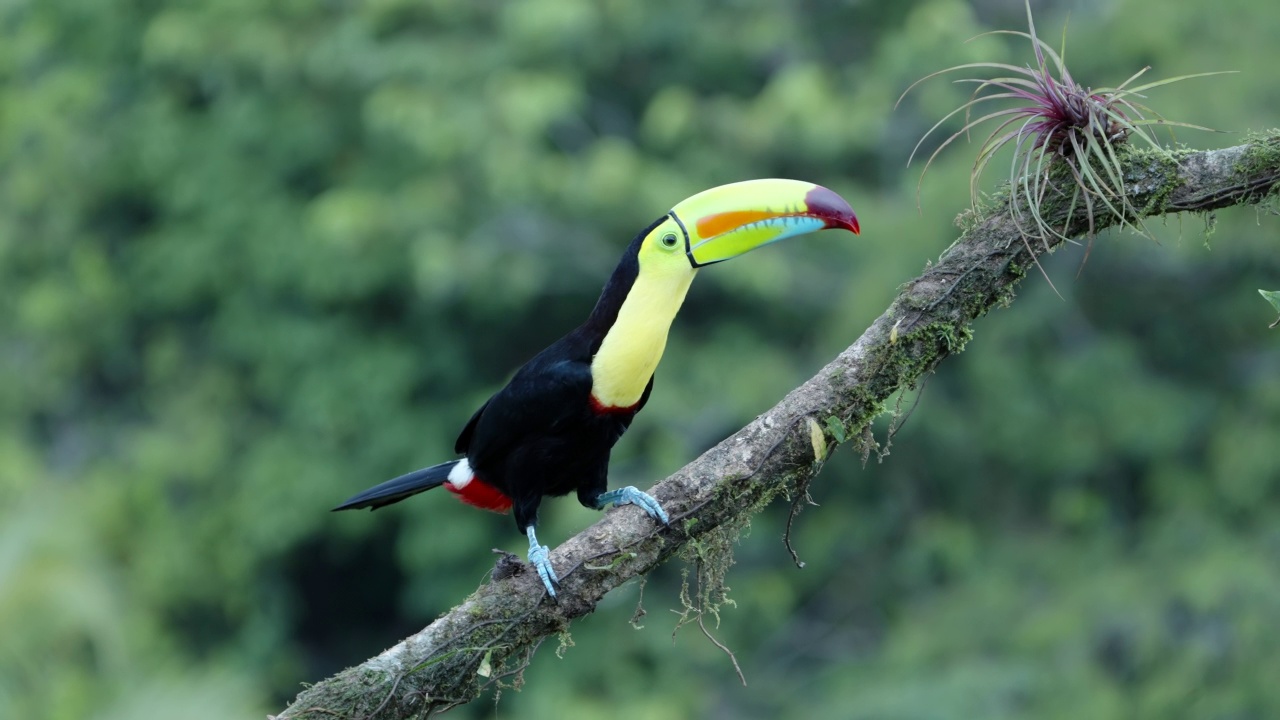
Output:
(629, 495)
(538, 558)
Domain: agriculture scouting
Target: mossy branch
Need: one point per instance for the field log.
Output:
(496, 630)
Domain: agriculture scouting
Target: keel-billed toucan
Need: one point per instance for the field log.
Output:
(550, 430)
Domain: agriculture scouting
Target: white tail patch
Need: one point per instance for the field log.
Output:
(460, 475)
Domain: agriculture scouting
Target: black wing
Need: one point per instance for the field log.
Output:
(548, 393)
(539, 400)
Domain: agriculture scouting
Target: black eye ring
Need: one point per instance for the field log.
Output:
(669, 240)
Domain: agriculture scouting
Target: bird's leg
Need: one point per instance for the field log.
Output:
(630, 496)
(539, 560)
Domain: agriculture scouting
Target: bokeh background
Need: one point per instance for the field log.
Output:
(255, 256)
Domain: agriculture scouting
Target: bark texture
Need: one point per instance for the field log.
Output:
(496, 630)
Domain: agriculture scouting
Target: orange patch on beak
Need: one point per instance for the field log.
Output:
(720, 223)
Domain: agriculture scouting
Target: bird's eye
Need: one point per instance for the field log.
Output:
(669, 240)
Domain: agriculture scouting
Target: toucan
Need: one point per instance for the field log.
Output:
(549, 431)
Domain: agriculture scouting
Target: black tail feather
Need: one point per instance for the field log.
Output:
(393, 491)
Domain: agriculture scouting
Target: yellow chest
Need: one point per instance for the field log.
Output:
(632, 348)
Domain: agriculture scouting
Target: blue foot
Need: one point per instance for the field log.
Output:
(631, 496)
(539, 560)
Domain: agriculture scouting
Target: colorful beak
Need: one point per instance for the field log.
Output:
(727, 221)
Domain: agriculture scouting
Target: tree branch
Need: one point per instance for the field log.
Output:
(496, 630)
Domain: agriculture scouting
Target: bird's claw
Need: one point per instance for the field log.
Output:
(629, 495)
(540, 560)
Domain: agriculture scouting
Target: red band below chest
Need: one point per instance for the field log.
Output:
(600, 408)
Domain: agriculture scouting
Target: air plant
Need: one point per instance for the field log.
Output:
(1055, 122)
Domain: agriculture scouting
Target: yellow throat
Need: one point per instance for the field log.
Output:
(633, 346)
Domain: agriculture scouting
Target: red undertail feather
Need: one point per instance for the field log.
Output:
(481, 494)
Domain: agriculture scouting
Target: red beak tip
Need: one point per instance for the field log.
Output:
(829, 206)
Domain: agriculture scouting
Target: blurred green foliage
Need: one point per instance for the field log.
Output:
(257, 256)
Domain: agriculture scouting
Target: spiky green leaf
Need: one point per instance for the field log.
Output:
(1273, 297)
